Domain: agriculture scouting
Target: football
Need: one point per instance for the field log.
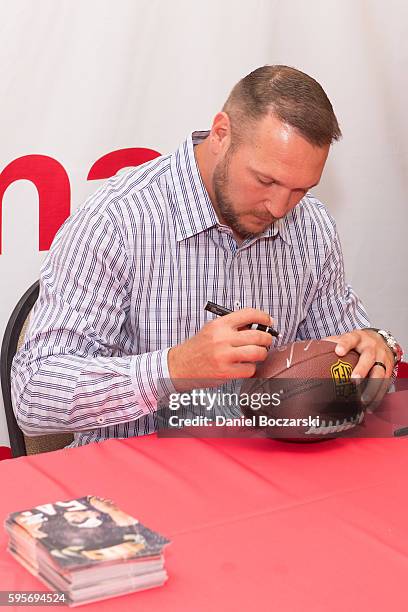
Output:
(303, 392)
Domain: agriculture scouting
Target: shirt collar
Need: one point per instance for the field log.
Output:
(193, 208)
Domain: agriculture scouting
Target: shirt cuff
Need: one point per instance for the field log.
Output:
(151, 378)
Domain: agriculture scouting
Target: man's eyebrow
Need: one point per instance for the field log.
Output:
(271, 179)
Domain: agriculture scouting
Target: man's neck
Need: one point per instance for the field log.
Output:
(206, 169)
(203, 160)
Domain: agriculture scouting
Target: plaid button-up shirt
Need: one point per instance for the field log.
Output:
(128, 276)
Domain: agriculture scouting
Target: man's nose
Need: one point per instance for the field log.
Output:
(279, 203)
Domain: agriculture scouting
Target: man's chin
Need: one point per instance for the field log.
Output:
(258, 226)
(265, 222)
(250, 232)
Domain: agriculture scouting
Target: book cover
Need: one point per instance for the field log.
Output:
(87, 531)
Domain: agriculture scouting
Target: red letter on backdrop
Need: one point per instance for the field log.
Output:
(53, 188)
(111, 163)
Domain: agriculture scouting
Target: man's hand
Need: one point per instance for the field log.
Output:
(372, 348)
(223, 349)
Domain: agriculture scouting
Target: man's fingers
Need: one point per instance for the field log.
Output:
(364, 364)
(374, 376)
(334, 339)
(243, 370)
(346, 343)
(246, 316)
(376, 388)
(250, 353)
(371, 389)
(252, 337)
(374, 392)
(378, 371)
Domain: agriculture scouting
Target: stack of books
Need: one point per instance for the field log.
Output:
(87, 549)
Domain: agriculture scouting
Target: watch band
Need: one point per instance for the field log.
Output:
(391, 342)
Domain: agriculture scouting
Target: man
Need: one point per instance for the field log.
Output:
(120, 320)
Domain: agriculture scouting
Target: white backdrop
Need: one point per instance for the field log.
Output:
(81, 79)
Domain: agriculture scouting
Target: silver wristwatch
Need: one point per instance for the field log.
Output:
(391, 342)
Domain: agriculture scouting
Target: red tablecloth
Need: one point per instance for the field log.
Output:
(255, 524)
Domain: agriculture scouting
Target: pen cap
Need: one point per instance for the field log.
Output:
(264, 328)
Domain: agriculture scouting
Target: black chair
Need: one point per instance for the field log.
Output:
(12, 340)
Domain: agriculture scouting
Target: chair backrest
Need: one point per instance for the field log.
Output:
(12, 340)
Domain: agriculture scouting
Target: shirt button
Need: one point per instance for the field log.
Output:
(100, 419)
(237, 304)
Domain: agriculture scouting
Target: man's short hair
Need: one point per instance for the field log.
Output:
(292, 96)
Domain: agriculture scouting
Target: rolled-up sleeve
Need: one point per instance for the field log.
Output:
(72, 373)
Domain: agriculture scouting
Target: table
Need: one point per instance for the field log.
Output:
(255, 523)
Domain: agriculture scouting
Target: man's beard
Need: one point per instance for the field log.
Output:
(224, 203)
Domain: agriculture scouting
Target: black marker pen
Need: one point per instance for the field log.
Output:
(221, 311)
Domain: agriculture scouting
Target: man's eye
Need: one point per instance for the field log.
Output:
(265, 182)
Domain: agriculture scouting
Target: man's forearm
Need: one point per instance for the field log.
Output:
(67, 393)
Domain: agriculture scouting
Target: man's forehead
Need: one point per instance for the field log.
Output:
(272, 161)
(280, 152)
(269, 133)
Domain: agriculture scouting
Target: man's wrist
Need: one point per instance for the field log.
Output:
(180, 379)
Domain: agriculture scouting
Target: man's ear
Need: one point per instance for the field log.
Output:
(220, 134)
